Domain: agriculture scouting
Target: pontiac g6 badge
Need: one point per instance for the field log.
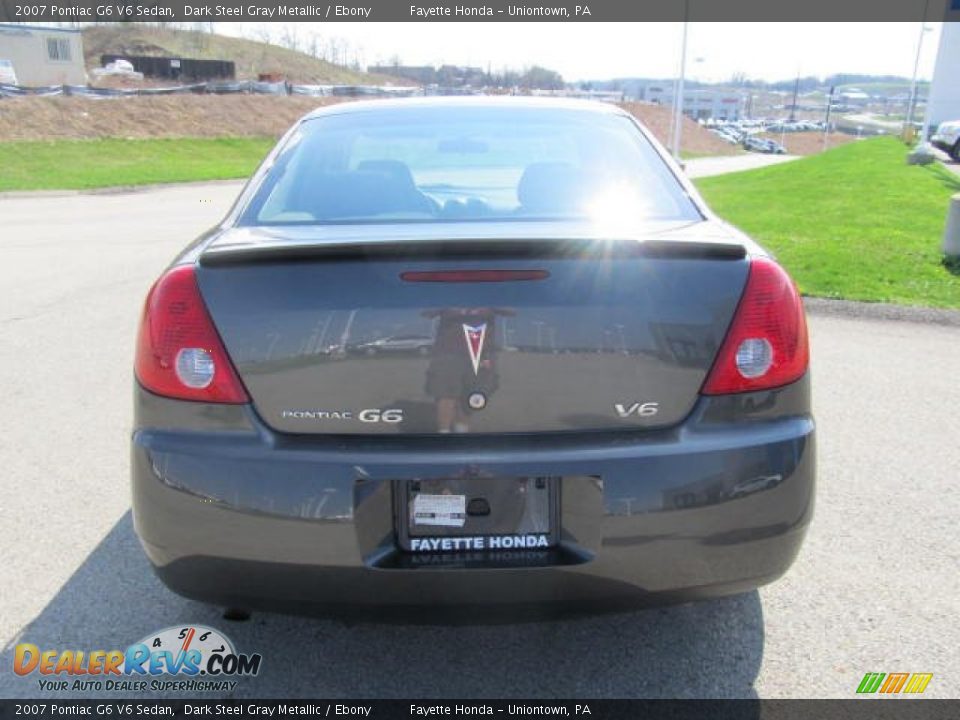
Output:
(369, 415)
(475, 335)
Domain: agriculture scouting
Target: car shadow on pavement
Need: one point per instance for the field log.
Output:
(707, 649)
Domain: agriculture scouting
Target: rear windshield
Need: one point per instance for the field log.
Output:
(422, 164)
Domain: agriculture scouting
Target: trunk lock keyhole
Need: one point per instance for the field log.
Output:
(477, 507)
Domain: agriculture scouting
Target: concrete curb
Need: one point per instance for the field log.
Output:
(881, 311)
(713, 166)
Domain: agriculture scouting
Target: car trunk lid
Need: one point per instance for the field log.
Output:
(521, 334)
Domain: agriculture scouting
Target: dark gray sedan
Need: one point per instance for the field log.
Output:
(609, 403)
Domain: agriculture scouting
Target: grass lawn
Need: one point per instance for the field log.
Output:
(856, 222)
(84, 164)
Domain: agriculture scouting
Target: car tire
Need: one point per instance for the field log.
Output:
(955, 153)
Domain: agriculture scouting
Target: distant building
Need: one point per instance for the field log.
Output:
(853, 97)
(458, 76)
(613, 96)
(944, 95)
(43, 55)
(697, 104)
(175, 68)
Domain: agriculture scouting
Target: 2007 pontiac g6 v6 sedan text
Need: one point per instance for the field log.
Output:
(463, 352)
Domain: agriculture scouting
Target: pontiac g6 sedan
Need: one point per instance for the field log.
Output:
(607, 402)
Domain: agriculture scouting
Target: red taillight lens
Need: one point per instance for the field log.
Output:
(179, 353)
(766, 345)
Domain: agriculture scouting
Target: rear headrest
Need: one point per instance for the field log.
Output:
(391, 168)
(552, 187)
(333, 195)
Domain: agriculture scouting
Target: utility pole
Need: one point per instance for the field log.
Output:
(922, 154)
(678, 96)
(826, 119)
(793, 107)
(911, 108)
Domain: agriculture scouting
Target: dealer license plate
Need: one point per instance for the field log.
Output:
(477, 514)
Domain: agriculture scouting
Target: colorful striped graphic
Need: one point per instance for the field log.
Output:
(894, 683)
(918, 682)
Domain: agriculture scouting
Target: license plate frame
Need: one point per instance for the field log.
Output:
(532, 525)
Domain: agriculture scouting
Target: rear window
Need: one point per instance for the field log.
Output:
(470, 164)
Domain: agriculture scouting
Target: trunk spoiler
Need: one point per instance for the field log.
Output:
(550, 249)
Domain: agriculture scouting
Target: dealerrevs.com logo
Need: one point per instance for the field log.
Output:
(180, 658)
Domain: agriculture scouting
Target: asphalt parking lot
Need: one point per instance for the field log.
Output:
(876, 587)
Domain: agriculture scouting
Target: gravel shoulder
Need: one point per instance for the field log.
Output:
(881, 311)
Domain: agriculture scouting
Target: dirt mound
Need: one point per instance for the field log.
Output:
(808, 143)
(74, 118)
(694, 139)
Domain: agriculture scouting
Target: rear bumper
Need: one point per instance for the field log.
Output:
(233, 514)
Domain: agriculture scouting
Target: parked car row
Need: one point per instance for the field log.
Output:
(762, 145)
(738, 135)
(796, 126)
(947, 138)
(729, 134)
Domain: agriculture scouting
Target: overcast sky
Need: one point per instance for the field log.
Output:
(586, 51)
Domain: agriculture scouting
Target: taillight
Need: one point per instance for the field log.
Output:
(766, 345)
(179, 353)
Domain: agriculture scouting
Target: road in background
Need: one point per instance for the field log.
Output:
(720, 165)
(876, 586)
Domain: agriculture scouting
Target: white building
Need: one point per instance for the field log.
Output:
(698, 104)
(944, 99)
(43, 55)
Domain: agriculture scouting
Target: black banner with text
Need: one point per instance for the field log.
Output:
(589, 709)
(483, 11)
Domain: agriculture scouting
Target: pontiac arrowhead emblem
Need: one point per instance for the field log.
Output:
(475, 335)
